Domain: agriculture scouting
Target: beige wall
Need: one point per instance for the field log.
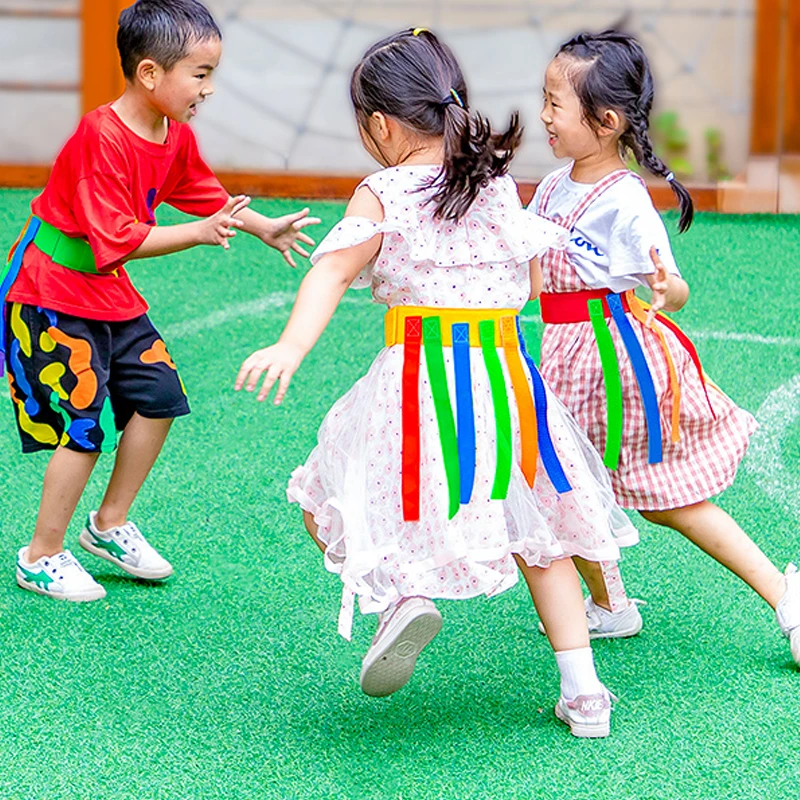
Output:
(282, 102)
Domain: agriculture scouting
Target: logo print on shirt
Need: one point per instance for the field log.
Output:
(586, 245)
(151, 198)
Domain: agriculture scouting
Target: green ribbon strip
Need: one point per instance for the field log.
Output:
(434, 359)
(613, 384)
(502, 415)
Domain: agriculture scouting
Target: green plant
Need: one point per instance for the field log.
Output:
(717, 170)
(672, 143)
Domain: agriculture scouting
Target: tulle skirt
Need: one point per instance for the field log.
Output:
(351, 484)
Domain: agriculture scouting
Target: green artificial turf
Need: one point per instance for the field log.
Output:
(229, 680)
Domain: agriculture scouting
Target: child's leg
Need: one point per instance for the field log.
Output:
(556, 593)
(139, 446)
(312, 528)
(604, 581)
(585, 703)
(64, 481)
(717, 534)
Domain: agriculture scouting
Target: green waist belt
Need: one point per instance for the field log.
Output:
(65, 250)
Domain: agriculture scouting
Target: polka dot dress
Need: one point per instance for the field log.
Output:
(351, 481)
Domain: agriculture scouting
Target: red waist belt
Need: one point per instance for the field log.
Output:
(562, 308)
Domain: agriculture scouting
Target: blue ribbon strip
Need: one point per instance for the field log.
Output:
(547, 451)
(643, 377)
(10, 276)
(464, 410)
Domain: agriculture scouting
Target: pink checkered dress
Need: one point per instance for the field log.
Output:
(705, 459)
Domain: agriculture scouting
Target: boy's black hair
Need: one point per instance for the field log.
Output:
(613, 73)
(162, 30)
(414, 78)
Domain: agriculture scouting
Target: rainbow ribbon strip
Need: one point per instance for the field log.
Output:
(640, 315)
(497, 382)
(464, 410)
(522, 393)
(613, 384)
(641, 370)
(10, 275)
(410, 419)
(434, 360)
(547, 451)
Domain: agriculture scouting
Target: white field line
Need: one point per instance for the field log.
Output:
(254, 308)
(765, 457)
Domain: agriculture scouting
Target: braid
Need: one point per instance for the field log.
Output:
(642, 147)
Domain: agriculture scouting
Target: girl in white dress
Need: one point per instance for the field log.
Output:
(449, 465)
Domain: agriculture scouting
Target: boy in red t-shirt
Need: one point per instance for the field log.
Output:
(84, 360)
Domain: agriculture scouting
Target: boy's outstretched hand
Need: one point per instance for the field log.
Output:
(220, 227)
(280, 362)
(286, 233)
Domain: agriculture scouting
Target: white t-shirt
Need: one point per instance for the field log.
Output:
(610, 244)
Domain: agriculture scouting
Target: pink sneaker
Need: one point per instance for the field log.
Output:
(588, 716)
(403, 631)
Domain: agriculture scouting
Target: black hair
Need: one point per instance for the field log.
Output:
(162, 30)
(414, 78)
(613, 73)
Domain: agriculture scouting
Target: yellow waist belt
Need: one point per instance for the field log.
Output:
(394, 322)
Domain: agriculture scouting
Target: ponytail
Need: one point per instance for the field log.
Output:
(473, 155)
(414, 77)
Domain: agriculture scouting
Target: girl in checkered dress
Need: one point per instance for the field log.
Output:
(670, 437)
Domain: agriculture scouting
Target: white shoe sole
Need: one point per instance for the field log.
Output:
(147, 574)
(584, 730)
(388, 666)
(83, 597)
(625, 633)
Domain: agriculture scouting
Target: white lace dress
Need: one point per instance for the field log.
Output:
(351, 482)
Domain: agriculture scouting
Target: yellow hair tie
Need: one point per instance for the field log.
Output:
(418, 31)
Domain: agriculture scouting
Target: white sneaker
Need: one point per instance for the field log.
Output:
(60, 576)
(126, 547)
(788, 610)
(403, 631)
(588, 716)
(604, 624)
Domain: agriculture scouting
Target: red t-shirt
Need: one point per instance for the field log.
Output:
(105, 184)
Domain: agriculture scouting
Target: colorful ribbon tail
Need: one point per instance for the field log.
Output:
(10, 275)
(465, 413)
(644, 378)
(547, 451)
(502, 415)
(613, 384)
(522, 394)
(640, 315)
(692, 351)
(434, 359)
(410, 403)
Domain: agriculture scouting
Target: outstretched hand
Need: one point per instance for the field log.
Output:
(286, 233)
(659, 286)
(279, 362)
(220, 227)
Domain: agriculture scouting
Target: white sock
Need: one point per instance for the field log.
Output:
(577, 673)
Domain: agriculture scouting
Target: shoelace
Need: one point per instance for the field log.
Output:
(65, 561)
